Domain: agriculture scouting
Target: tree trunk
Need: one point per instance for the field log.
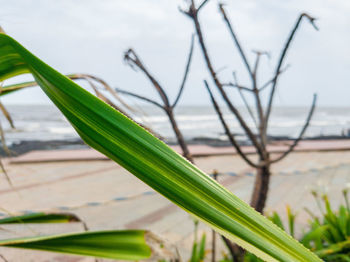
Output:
(261, 188)
(180, 139)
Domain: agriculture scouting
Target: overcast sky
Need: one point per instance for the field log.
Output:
(90, 36)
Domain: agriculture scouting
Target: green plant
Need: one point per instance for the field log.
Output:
(328, 236)
(123, 244)
(198, 248)
(149, 159)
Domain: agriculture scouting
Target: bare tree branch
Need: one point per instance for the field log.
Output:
(235, 38)
(226, 128)
(245, 100)
(106, 86)
(202, 4)
(131, 57)
(248, 108)
(193, 15)
(273, 79)
(252, 75)
(230, 84)
(186, 73)
(139, 97)
(257, 60)
(133, 60)
(281, 60)
(104, 98)
(296, 141)
(109, 102)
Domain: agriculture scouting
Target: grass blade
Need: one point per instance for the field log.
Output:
(126, 245)
(41, 218)
(149, 159)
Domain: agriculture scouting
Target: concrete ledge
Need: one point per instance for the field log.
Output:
(196, 150)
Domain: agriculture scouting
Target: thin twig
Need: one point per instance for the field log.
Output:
(281, 60)
(139, 97)
(130, 56)
(257, 60)
(251, 73)
(296, 141)
(202, 4)
(248, 107)
(104, 84)
(186, 73)
(226, 128)
(107, 100)
(259, 108)
(267, 83)
(245, 101)
(230, 84)
(235, 38)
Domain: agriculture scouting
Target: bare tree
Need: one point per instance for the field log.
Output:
(133, 60)
(260, 118)
(259, 140)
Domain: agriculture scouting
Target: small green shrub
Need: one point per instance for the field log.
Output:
(328, 236)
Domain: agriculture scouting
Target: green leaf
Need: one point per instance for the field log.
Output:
(276, 219)
(201, 251)
(291, 220)
(314, 235)
(149, 159)
(41, 218)
(8, 89)
(194, 254)
(339, 257)
(128, 244)
(333, 249)
(342, 220)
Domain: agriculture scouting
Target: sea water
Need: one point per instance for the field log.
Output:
(45, 122)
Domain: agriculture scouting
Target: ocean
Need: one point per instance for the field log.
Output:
(45, 123)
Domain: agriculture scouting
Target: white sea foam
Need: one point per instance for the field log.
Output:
(41, 122)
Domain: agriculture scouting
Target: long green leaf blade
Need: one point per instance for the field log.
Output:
(126, 245)
(40, 217)
(116, 136)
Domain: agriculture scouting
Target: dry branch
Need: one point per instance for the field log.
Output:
(107, 87)
(226, 128)
(193, 14)
(121, 91)
(297, 140)
(133, 60)
(281, 60)
(267, 83)
(235, 38)
(131, 57)
(189, 59)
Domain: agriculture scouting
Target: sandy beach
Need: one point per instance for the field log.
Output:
(106, 196)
